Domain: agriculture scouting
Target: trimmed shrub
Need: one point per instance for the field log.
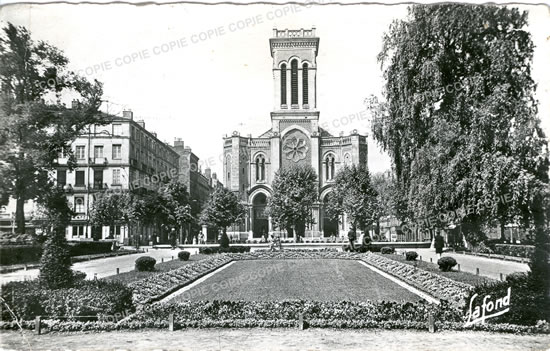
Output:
(387, 250)
(224, 240)
(184, 255)
(411, 255)
(55, 264)
(78, 276)
(446, 263)
(145, 264)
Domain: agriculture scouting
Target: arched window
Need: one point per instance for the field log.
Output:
(304, 84)
(283, 84)
(294, 82)
(260, 168)
(329, 167)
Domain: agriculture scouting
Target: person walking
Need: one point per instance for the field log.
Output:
(173, 237)
(439, 243)
(352, 237)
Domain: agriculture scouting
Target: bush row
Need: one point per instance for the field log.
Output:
(162, 284)
(433, 284)
(87, 298)
(219, 249)
(525, 251)
(19, 254)
(64, 326)
(16, 254)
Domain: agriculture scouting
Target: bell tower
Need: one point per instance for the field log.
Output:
(294, 55)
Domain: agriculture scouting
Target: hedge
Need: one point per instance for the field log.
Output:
(525, 251)
(18, 254)
(80, 248)
(87, 298)
(219, 249)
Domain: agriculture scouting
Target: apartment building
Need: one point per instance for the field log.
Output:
(111, 156)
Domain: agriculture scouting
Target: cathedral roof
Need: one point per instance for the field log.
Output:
(322, 132)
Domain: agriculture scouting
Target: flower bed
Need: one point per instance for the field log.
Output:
(90, 298)
(297, 254)
(433, 284)
(163, 284)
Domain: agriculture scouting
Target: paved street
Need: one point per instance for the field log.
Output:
(274, 339)
(487, 267)
(103, 266)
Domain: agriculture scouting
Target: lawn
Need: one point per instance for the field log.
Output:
(463, 277)
(132, 276)
(319, 280)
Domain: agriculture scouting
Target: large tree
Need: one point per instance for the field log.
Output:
(459, 117)
(36, 125)
(294, 194)
(222, 209)
(383, 184)
(353, 194)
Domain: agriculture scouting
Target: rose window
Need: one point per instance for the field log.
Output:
(295, 149)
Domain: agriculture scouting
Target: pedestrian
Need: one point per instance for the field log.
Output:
(438, 244)
(352, 237)
(173, 238)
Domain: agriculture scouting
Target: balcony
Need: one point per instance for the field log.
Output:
(99, 161)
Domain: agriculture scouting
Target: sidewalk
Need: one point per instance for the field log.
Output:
(488, 267)
(103, 267)
(274, 339)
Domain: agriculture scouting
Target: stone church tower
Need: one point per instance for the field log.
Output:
(295, 138)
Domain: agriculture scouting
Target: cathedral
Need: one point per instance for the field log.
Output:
(295, 138)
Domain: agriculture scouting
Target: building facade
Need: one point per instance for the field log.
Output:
(199, 184)
(295, 138)
(112, 157)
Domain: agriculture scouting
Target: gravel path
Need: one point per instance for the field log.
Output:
(103, 267)
(488, 267)
(275, 339)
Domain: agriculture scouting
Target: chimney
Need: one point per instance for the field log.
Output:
(154, 134)
(207, 172)
(128, 114)
(178, 144)
(214, 175)
(141, 123)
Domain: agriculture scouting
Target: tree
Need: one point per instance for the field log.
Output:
(55, 263)
(222, 209)
(175, 198)
(354, 195)
(115, 208)
(294, 193)
(459, 117)
(383, 184)
(36, 126)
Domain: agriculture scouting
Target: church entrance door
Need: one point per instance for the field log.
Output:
(260, 221)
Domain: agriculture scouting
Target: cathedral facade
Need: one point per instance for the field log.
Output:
(295, 138)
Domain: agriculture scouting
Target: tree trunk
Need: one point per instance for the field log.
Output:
(502, 236)
(20, 216)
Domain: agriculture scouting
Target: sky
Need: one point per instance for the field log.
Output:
(199, 72)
